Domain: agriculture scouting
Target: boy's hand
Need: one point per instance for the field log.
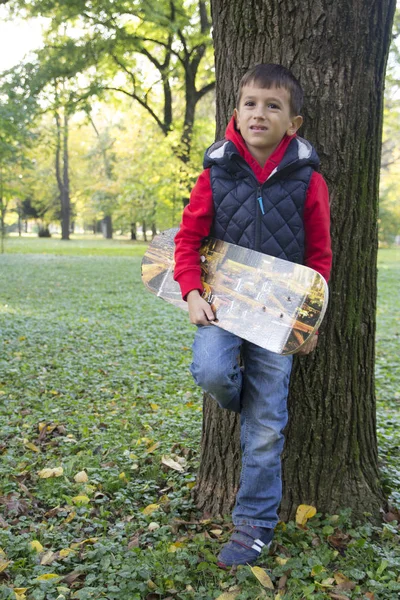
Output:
(309, 346)
(200, 312)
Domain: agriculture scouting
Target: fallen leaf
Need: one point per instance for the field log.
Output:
(228, 595)
(305, 512)
(134, 541)
(4, 564)
(3, 523)
(14, 504)
(370, 595)
(36, 545)
(281, 561)
(49, 557)
(81, 499)
(81, 477)
(337, 596)
(262, 577)
(154, 406)
(47, 577)
(152, 448)
(66, 552)
(150, 509)
(20, 590)
(172, 464)
(46, 473)
(340, 578)
(31, 446)
(71, 516)
(71, 577)
(216, 532)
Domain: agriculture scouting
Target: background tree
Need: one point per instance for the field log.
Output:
(158, 55)
(330, 459)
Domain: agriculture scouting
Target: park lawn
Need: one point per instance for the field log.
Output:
(94, 387)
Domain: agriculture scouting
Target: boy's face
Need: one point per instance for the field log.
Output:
(263, 118)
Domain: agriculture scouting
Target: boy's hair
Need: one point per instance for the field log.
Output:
(271, 75)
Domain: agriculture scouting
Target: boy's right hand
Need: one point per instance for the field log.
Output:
(200, 312)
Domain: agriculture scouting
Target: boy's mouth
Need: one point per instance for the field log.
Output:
(258, 128)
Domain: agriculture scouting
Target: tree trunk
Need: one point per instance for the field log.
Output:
(133, 232)
(62, 175)
(144, 231)
(107, 227)
(338, 51)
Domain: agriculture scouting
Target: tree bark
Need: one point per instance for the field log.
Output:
(107, 227)
(338, 51)
(62, 174)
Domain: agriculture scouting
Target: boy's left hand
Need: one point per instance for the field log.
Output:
(309, 346)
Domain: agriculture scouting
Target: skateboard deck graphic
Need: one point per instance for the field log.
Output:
(271, 302)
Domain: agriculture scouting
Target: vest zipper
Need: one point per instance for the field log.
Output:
(260, 209)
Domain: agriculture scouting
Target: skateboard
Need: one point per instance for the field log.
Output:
(271, 302)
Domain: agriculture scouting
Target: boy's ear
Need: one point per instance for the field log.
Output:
(295, 125)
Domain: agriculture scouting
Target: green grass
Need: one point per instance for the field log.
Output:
(94, 377)
(78, 245)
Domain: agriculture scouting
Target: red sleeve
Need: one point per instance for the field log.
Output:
(196, 224)
(318, 253)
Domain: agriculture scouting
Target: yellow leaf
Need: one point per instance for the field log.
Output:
(305, 512)
(174, 547)
(71, 516)
(46, 473)
(340, 578)
(20, 590)
(153, 447)
(31, 446)
(228, 596)
(47, 577)
(327, 582)
(281, 561)
(172, 464)
(122, 476)
(48, 558)
(262, 577)
(81, 500)
(36, 545)
(151, 584)
(4, 564)
(191, 485)
(150, 509)
(154, 406)
(81, 477)
(91, 540)
(19, 596)
(216, 532)
(2, 553)
(317, 570)
(65, 552)
(41, 426)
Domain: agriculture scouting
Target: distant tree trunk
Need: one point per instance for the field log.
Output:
(153, 231)
(144, 231)
(338, 51)
(62, 174)
(108, 229)
(133, 232)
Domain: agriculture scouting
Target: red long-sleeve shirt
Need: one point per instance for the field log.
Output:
(198, 216)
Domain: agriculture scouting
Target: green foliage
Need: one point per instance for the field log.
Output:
(94, 377)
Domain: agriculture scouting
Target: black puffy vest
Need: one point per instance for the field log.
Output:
(267, 217)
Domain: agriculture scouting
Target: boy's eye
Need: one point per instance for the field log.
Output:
(249, 103)
(272, 105)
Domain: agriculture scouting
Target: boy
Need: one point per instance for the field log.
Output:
(260, 189)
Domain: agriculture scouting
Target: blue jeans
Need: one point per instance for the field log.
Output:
(259, 392)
